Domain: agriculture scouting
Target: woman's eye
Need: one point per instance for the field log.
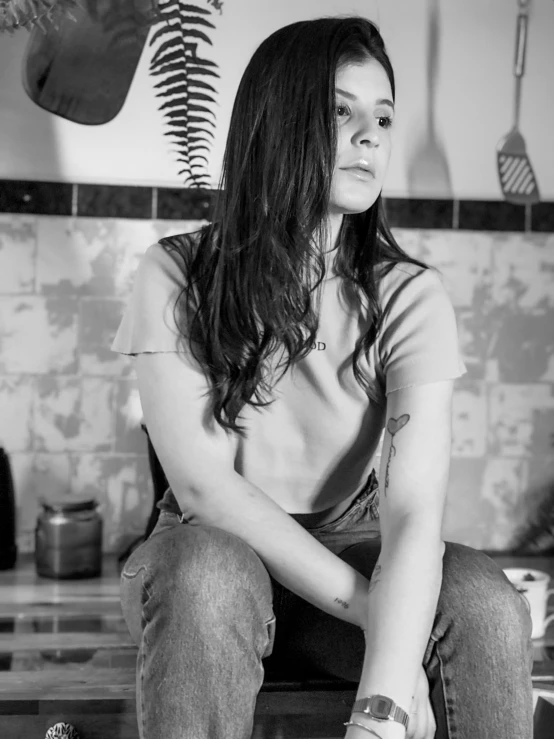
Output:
(385, 121)
(344, 108)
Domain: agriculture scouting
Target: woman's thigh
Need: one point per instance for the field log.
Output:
(475, 598)
(202, 571)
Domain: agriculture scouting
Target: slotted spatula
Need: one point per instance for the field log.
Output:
(517, 179)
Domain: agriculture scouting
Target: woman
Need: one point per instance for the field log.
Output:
(272, 349)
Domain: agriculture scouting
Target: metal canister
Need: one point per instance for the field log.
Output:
(68, 539)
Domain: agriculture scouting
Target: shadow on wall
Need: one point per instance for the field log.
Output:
(34, 138)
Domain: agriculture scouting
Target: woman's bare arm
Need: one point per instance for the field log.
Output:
(198, 459)
(406, 583)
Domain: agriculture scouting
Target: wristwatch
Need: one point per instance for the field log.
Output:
(381, 708)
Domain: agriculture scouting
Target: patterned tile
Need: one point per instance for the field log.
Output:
(38, 334)
(462, 516)
(473, 340)
(100, 318)
(74, 414)
(522, 344)
(503, 483)
(62, 261)
(514, 426)
(469, 420)
(35, 476)
(90, 257)
(121, 485)
(16, 418)
(129, 436)
(465, 264)
(17, 254)
(538, 491)
(164, 229)
(129, 497)
(523, 271)
(409, 239)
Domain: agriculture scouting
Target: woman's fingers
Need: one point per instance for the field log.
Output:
(431, 724)
(414, 724)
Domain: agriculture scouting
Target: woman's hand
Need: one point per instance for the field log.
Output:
(421, 724)
(422, 720)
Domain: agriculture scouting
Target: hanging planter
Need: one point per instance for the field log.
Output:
(94, 71)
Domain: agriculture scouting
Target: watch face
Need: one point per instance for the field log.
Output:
(381, 706)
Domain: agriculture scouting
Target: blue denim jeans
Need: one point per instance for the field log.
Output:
(207, 618)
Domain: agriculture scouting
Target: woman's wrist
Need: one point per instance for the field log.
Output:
(384, 729)
(361, 603)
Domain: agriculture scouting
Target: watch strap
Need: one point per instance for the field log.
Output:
(363, 705)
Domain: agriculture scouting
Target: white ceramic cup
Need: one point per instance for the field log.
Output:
(536, 593)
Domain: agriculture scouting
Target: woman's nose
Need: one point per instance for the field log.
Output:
(370, 134)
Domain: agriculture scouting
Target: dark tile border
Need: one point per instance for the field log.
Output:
(110, 201)
(542, 217)
(184, 204)
(412, 213)
(166, 203)
(41, 198)
(491, 215)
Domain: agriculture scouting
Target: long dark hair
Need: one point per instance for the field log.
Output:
(249, 302)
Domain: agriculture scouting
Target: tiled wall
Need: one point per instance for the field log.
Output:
(68, 411)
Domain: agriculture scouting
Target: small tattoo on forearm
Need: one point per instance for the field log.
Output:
(374, 578)
(342, 603)
(393, 427)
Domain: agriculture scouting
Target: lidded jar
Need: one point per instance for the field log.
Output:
(68, 538)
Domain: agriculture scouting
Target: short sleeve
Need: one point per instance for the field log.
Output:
(148, 323)
(419, 338)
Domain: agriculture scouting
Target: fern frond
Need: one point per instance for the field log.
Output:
(182, 84)
(192, 108)
(182, 8)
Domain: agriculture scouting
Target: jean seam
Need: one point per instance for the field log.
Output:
(450, 730)
(269, 626)
(143, 644)
(132, 575)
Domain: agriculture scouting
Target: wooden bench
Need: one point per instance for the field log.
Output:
(66, 657)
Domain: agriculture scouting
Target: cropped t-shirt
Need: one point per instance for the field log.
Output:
(315, 445)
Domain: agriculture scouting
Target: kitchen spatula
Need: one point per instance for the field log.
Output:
(517, 179)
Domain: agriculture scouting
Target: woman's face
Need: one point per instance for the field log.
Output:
(364, 111)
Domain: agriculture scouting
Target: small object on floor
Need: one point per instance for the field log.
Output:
(62, 731)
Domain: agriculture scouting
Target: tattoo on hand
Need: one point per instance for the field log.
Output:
(374, 578)
(342, 602)
(393, 427)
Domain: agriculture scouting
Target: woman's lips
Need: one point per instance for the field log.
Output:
(360, 174)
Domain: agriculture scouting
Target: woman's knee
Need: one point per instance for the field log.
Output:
(194, 571)
(476, 593)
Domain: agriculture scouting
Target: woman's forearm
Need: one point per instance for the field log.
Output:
(402, 602)
(293, 556)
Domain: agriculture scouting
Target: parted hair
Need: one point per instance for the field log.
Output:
(249, 306)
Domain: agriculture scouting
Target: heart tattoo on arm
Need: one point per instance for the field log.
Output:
(393, 427)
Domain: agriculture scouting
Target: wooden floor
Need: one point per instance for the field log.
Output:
(66, 655)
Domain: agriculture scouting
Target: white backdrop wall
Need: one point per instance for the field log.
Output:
(473, 111)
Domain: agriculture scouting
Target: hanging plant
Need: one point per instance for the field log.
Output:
(190, 97)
